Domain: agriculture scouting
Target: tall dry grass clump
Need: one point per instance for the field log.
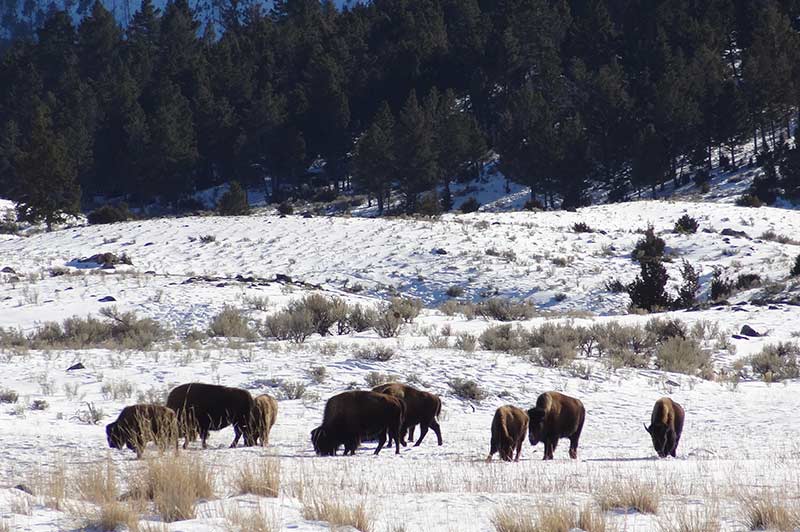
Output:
(337, 512)
(629, 495)
(547, 519)
(50, 485)
(683, 519)
(764, 511)
(262, 478)
(174, 484)
(238, 520)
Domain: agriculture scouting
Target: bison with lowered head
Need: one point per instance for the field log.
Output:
(422, 408)
(353, 416)
(508, 431)
(265, 411)
(666, 425)
(139, 424)
(206, 407)
(556, 416)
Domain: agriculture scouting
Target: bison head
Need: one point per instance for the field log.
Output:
(115, 436)
(324, 443)
(663, 438)
(535, 425)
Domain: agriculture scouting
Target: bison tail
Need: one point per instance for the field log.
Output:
(438, 407)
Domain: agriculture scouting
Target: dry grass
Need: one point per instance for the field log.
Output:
(238, 520)
(174, 484)
(261, 478)
(764, 511)
(51, 485)
(111, 515)
(98, 483)
(683, 519)
(629, 495)
(337, 512)
(547, 519)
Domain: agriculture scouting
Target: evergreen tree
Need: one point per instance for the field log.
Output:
(45, 187)
(418, 170)
(234, 201)
(374, 161)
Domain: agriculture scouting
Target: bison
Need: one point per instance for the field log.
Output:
(205, 407)
(138, 424)
(353, 416)
(556, 416)
(508, 431)
(666, 425)
(265, 410)
(422, 408)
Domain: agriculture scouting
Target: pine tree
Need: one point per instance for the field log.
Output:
(45, 186)
(374, 160)
(418, 170)
(234, 201)
(647, 291)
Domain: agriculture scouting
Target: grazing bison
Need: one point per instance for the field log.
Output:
(139, 424)
(508, 431)
(422, 408)
(556, 416)
(265, 410)
(205, 407)
(353, 416)
(666, 425)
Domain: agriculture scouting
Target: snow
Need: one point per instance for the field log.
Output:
(739, 438)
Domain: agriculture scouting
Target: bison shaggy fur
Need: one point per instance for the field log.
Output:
(138, 424)
(666, 426)
(556, 416)
(265, 411)
(351, 417)
(509, 426)
(422, 408)
(206, 407)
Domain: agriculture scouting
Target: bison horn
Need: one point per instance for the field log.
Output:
(646, 427)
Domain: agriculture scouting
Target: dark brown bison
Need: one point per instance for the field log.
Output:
(666, 425)
(556, 416)
(265, 411)
(351, 417)
(422, 408)
(508, 431)
(138, 424)
(205, 407)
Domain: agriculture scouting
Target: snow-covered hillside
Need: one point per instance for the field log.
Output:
(740, 439)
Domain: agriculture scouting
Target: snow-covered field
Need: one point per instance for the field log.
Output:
(740, 438)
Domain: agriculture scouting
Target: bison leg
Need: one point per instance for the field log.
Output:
(423, 431)
(437, 430)
(381, 441)
(204, 437)
(548, 450)
(519, 448)
(573, 447)
(411, 432)
(236, 435)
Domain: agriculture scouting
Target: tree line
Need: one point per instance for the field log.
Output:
(394, 97)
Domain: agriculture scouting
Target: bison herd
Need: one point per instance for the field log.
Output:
(388, 413)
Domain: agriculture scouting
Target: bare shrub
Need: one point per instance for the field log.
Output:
(683, 355)
(501, 338)
(388, 323)
(629, 495)
(501, 309)
(322, 311)
(90, 415)
(374, 352)
(467, 389)
(318, 374)
(764, 511)
(292, 390)
(39, 404)
(359, 319)
(455, 291)
(256, 302)
(231, 323)
(174, 484)
(438, 341)
(466, 342)
(451, 308)
(337, 513)
(555, 356)
(262, 478)
(665, 328)
(406, 308)
(117, 390)
(777, 362)
(294, 325)
(375, 378)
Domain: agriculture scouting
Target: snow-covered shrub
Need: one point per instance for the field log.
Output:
(231, 323)
(686, 225)
(662, 329)
(375, 353)
(376, 378)
(388, 323)
(649, 248)
(451, 308)
(777, 362)
(502, 309)
(746, 281)
(749, 200)
(292, 390)
(455, 291)
(8, 396)
(324, 312)
(552, 355)
(318, 374)
(720, 286)
(406, 308)
(683, 355)
(470, 205)
(615, 286)
(466, 342)
(360, 319)
(109, 214)
(285, 208)
(582, 227)
(467, 389)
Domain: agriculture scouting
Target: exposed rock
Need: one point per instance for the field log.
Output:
(749, 331)
(732, 232)
(107, 299)
(76, 366)
(106, 260)
(24, 488)
(439, 251)
(8, 269)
